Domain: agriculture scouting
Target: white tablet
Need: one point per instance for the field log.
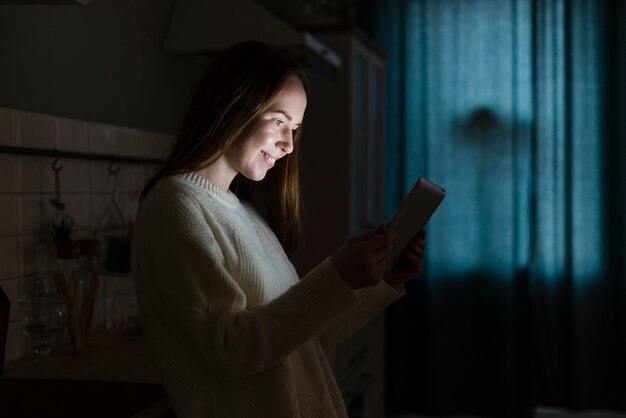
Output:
(413, 214)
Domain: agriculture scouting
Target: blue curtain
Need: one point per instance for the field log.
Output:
(516, 107)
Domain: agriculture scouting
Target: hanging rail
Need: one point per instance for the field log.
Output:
(5, 149)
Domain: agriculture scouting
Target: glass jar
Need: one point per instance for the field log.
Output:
(44, 317)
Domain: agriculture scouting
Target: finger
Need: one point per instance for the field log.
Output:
(381, 244)
(413, 262)
(380, 257)
(384, 239)
(415, 254)
(421, 235)
(417, 242)
(378, 250)
(416, 248)
(381, 264)
(382, 271)
(371, 233)
(376, 268)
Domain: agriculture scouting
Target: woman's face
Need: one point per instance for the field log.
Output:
(272, 136)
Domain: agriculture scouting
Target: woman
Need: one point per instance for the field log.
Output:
(234, 331)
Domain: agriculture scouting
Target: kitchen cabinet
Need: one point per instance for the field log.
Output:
(116, 378)
(341, 155)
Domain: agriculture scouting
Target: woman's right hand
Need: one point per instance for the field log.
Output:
(361, 260)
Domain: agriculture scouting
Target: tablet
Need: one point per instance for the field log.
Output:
(413, 214)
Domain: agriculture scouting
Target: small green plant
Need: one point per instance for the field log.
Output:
(61, 227)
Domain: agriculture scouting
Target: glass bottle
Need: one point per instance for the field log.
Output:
(92, 314)
(122, 308)
(69, 283)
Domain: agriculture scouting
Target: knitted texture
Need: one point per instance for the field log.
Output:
(233, 330)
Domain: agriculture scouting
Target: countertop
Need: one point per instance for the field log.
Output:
(116, 359)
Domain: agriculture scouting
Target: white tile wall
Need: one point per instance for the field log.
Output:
(9, 262)
(35, 253)
(34, 174)
(70, 134)
(103, 139)
(27, 184)
(8, 172)
(8, 215)
(34, 130)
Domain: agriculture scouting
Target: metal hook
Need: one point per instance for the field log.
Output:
(113, 169)
(112, 205)
(55, 166)
(56, 201)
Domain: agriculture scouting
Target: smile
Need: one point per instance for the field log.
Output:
(269, 159)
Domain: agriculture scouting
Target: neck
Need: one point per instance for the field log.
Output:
(219, 173)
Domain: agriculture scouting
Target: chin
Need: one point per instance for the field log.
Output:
(256, 177)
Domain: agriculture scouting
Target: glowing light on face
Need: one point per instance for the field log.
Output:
(272, 136)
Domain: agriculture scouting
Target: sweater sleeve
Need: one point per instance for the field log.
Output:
(372, 301)
(191, 293)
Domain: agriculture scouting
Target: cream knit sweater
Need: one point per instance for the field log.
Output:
(234, 331)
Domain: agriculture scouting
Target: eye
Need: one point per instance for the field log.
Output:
(278, 122)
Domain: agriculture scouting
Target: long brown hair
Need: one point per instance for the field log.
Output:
(239, 85)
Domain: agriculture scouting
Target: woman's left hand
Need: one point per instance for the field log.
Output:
(410, 263)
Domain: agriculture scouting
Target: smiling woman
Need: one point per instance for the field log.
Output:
(234, 331)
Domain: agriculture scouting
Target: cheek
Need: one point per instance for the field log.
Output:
(257, 140)
(261, 140)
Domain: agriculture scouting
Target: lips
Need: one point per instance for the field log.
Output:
(269, 159)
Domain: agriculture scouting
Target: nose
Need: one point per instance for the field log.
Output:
(286, 141)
